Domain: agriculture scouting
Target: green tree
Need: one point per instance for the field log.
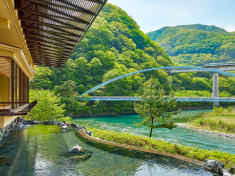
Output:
(41, 78)
(69, 97)
(155, 107)
(218, 110)
(48, 105)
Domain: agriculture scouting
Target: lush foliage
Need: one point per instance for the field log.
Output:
(65, 119)
(155, 106)
(48, 105)
(114, 46)
(218, 110)
(196, 44)
(192, 152)
(221, 119)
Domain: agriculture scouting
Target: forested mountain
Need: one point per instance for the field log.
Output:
(115, 46)
(196, 44)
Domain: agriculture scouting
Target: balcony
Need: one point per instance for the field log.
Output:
(21, 108)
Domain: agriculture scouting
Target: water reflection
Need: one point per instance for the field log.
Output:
(41, 150)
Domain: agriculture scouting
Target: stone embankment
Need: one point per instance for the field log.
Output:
(184, 125)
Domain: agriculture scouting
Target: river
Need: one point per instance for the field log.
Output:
(189, 137)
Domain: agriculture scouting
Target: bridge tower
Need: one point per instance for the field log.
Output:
(170, 79)
(215, 89)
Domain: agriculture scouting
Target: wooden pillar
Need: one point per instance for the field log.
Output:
(23, 87)
(12, 83)
(16, 86)
(27, 89)
(20, 86)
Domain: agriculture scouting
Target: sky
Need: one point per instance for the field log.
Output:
(151, 15)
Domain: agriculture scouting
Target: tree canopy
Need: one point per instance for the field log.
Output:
(196, 44)
(48, 106)
(155, 106)
(114, 46)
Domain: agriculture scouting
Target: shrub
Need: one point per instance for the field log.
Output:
(218, 110)
(192, 152)
(221, 124)
(202, 121)
(230, 127)
(212, 124)
(66, 119)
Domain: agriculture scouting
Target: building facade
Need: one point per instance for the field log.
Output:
(37, 32)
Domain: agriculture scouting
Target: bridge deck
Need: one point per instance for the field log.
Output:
(135, 98)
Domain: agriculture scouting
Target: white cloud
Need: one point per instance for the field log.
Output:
(230, 28)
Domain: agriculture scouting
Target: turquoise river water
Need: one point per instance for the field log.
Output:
(124, 123)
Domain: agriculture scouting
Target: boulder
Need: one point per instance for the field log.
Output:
(79, 150)
(64, 127)
(89, 133)
(75, 149)
(37, 122)
(78, 127)
(46, 122)
(231, 170)
(217, 167)
(19, 124)
(73, 124)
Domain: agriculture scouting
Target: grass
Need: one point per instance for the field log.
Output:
(224, 122)
(192, 152)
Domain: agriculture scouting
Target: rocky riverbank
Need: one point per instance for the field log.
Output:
(184, 125)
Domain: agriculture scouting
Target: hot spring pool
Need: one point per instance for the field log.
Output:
(43, 151)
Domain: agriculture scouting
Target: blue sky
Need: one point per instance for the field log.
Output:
(155, 14)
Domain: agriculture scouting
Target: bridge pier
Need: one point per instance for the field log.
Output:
(170, 79)
(215, 89)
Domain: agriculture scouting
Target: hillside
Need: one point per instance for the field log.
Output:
(196, 44)
(112, 47)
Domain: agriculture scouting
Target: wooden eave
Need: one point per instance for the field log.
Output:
(53, 28)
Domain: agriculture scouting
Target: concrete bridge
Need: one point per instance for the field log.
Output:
(215, 90)
(229, 66)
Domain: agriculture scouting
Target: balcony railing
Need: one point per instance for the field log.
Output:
(20, 108)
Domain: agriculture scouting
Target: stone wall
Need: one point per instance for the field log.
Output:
(4, 132)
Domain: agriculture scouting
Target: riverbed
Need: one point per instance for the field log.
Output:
(185, 136)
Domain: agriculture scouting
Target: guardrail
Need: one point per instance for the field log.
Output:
(20, 108)
(223, 98)
(136, 98)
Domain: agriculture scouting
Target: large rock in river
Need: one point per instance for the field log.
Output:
(79, 150)
(75, 149)
(81, 154)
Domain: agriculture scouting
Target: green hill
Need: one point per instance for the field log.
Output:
(196, 44)
(113, 46)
